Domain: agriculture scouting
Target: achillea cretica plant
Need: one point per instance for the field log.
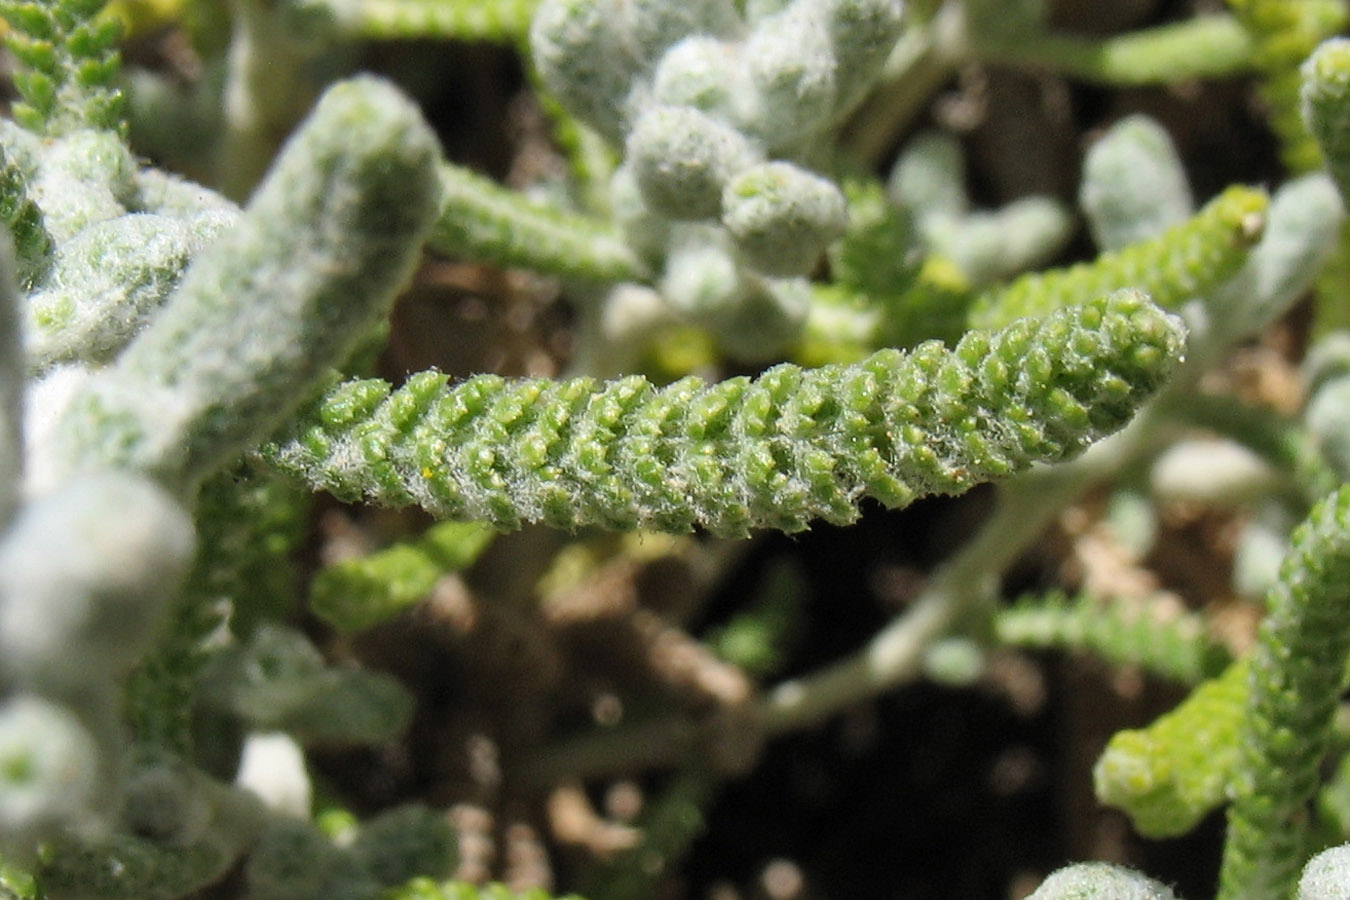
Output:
(180, 372)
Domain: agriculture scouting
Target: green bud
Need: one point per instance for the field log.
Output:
(781, 217)
(682, 159)
(579, 52)
(792, 71)
(704, 72)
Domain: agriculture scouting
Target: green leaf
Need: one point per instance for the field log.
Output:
(780, 451)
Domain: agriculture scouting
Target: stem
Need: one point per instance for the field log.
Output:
(895, 655)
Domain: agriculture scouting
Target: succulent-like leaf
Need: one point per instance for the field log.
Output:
(1296, 673)
(464, 20)
(1185, 262)
(1170, 775)
(357, 593)
(779, 451)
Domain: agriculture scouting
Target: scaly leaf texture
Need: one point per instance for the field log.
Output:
(879, 251)
(1300, 234)
(1187, 261)
(69, 65)
(883, 292)
(483, 220)
(1285, 32)
(780, 451)
(844, 325)
(1153, 636)
(506, 21)
(358, 593)
(1170, 775)
(1296, 676)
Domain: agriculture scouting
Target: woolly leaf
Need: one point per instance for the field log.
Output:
(266, 309)
(780, 451)
(1327, 875)
(1134, 186)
